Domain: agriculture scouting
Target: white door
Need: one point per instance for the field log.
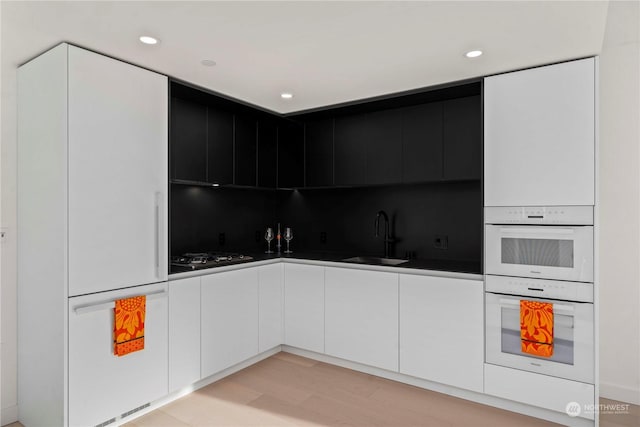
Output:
(101, 384)
(442, 330)
(304, 306)
(539, 136)
(118, 181)
(229, 319)
(361, 316)
(184, 332)
(270, 282)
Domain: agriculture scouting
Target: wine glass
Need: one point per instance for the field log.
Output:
(268, 236)
(288, 236)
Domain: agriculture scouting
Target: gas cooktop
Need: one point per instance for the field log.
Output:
(201, 260)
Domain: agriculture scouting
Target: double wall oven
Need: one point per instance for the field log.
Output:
(540, 257)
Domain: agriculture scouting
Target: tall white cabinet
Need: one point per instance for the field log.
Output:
(539, 136)
(92, 185)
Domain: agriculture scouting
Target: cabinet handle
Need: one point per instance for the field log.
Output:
(158, 231)
(105, 305)
(556, 307)
(542, 231)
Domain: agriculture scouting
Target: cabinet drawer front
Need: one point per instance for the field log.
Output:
(102, 385)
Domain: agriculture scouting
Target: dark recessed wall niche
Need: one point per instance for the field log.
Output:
(199, 214)
(417, 214)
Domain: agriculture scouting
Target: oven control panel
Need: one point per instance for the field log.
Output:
(539, 288)
(564, 215)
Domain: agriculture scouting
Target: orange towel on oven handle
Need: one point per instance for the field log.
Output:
(128, 325)
(536, 328)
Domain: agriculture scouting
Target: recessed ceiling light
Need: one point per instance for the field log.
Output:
(286, 95)
(473, 53)
(148, 40)
(215, 184)
(208, 62)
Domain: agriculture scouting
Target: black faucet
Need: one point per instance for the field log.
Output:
(387, 238)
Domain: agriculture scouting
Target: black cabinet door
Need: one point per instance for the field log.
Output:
(384, 147)
(220, 146)
(351, 133)
(422, 143)
(290, 155)
(267, 153)
(245, 149)
(319, 153)
(188, 140)
(462, 138)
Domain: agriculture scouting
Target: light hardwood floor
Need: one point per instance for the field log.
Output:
(288, 390)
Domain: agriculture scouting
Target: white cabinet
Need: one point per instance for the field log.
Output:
(539, 136)
(117, 159)
(361, 316)
(270, 294)
(540, 390)
(229, 319)
(184, 332)
(101, 384)
(442, 330)
(304, 306)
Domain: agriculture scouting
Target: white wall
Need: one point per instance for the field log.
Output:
(620, 204)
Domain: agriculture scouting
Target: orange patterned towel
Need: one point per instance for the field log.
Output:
(536, 328)
(128, 325)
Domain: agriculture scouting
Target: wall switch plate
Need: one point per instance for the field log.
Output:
(221, 239)
(323, 237)
(258, 236)
(441, 242)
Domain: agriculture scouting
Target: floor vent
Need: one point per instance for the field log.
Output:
(133, 411)
(106, 423)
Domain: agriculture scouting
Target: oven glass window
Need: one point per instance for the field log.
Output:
(542, 252)
(563, 339)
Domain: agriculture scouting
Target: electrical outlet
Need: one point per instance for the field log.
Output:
(323, 237)
(258, 236)
(221, 239)
(441, 242)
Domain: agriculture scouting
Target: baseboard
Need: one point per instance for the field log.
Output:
(9, 415)
(619, 393)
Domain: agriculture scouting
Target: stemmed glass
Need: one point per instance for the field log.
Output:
(268, 236)
(288, 236)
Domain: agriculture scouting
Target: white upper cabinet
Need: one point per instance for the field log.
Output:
(117, 176)
(539, 136)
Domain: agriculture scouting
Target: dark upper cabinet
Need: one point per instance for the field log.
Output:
(219, 146)
(267, 153)
(188, 140)
(422, 142)
(350, 161)
(318, 137)
(383, 147)
(290, 154)
(462, 129)
(245, 149)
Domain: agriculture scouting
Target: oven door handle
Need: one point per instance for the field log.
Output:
(534, 230)
(557, 308)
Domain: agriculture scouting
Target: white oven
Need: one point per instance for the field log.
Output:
(573, 320)
(546, 243)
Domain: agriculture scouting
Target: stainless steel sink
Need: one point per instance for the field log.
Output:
(375, 260)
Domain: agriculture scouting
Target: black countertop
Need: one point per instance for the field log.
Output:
(455, 266)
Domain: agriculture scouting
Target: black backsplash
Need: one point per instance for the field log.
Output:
(418, 213)
(200, 214)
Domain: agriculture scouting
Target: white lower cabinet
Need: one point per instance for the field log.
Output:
(102, 385)
(184, 332)
(442, 330)
(540, 390)
(270, 294)
(304, 306)
(361, 316)
(229, 319)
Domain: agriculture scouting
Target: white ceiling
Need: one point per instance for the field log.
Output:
(323, 52)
